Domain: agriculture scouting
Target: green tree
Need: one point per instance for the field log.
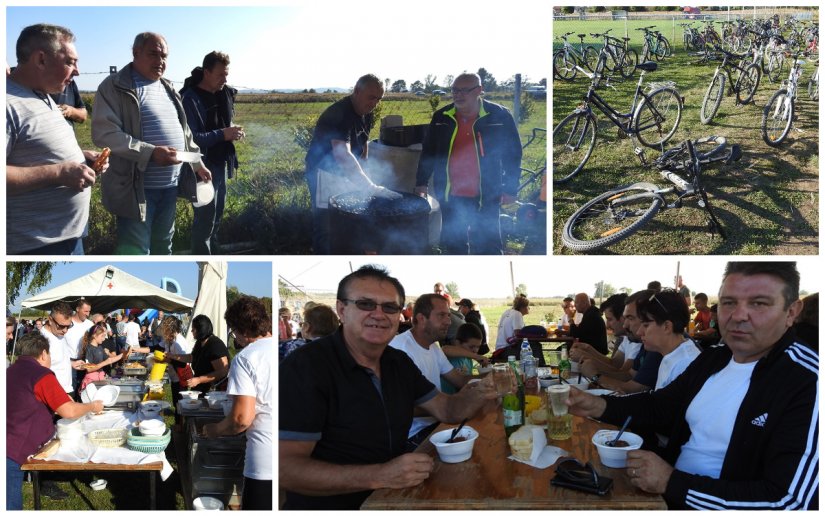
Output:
(36, 274)
(416, 86)
(626, 290)
(435, 100)
(448, 81)
(452, 289)
(604, 290)
(284, 292)
(232, 294)
(488, 82)
(430, 82)
(521, 289)
(399, 86)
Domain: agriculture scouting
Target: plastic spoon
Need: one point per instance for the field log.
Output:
(621, 431)
(457, 429)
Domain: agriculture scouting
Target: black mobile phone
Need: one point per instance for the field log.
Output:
(602, 488)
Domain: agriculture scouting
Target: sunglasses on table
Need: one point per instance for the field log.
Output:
(368, 305)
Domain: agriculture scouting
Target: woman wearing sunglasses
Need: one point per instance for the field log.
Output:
(664, 318)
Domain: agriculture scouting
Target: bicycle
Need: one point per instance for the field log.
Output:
(745, 85)
(619, 56)
(778, 114)
(526, 218)
(617, 214)
(568, 62)
(813, 83)
(651, 119)
(655, 44)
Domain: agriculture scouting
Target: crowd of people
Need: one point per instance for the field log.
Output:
(149, 129)
(73, 347)
(471, 154)
(726, 397)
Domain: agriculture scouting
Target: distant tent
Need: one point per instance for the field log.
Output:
(109, 288)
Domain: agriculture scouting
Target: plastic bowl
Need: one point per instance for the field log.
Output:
(454, 452)
(98, 485)
(152, 427)
(192, 395)
(615, 457)
(215, 399)
(207, 503)
(574, 382)
(107, 394)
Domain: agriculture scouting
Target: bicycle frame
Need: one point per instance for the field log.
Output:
(620, 120)
(578, 58)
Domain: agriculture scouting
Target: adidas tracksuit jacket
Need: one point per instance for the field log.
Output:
(772, 461)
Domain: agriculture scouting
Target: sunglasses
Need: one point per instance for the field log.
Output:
(654, 298)
(61, 326)
(574, 471)
(368, 305)
(463, 91)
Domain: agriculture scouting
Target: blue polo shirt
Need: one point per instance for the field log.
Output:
(353, 416)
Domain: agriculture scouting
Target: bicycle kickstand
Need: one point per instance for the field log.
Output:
(640, 153)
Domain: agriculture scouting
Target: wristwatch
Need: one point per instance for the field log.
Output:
(594, 378)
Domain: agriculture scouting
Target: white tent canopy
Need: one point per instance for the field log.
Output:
(109, 288)
(211, 300)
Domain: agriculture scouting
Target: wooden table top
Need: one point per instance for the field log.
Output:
(489, 480)
(56, 465)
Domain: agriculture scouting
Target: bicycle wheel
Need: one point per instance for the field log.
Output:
(591, 57)
(777, 118)
(713, 98)
(813, 87)
(573, 142)
(563, 66)
(657, 117)
(611, 217)
(660, 52)
(631, 59)
(687, 41)
(777, 67)
(747, 84)
(668, 49)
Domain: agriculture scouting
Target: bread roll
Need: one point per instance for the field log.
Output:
(521, 442)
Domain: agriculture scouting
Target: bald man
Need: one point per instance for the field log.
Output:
(591, 329)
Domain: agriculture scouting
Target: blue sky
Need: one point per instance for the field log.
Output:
(320, 44)
(253, 278)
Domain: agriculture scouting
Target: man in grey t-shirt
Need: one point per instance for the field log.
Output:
(48, 179)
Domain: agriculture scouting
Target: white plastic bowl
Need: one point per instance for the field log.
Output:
(107, 394)
(454, 452)
(574, 382)
(152, 427)
(207, 503)
(98, 485)
(192, 395)
(615, 457)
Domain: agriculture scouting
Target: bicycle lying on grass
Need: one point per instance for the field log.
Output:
(778, 115)
(653, 117)
(617, 214)
(747, 80)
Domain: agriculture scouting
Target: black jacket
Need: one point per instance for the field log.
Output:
(497, 146)
(772, 461)
(591, 330)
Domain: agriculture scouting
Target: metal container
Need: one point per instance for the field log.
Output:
(216, 465)
(404, 135)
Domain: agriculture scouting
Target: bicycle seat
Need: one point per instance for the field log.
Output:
(581, 35)
(626, 39)
(649, 66)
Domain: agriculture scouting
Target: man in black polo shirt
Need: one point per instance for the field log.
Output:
(346, 403)
(591, 329)
(338, 148)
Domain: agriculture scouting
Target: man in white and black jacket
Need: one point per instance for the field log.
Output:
(743, 418)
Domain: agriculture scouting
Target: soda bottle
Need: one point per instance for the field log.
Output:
(692, 328)
(564, 364)
(513, 402)
(529, 368)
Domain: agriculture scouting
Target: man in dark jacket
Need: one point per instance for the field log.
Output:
(743, 419)
(591, 329)
(210, 105)
(473, 153)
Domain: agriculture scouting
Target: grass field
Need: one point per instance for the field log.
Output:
(767, 202)
(268, 201)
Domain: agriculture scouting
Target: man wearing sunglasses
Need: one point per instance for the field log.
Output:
(473, 154)
(57, 325)
(743, 418)
(347, 400)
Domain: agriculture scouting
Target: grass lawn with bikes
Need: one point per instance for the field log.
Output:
(767, 202)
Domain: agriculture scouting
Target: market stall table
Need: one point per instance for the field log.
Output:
(489, 480)
(36, 466)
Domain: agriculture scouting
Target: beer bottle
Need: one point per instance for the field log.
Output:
(564, 364)
(513, 402)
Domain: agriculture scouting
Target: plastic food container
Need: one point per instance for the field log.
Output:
(152, 427)
(215, 399)
(98, 485)
(207, 503)
(454, 452)
(192, 395)
(615, 457)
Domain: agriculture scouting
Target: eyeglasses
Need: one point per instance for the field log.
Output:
(654, 298)
(61, 326)
(574, 471)
(368, 305)
(463, 91)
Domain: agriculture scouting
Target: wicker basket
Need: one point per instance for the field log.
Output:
(148, 443)
(108, 437)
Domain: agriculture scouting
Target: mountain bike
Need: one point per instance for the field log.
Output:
(778, 115)
(744, 86)
(568, 62)
(617, 214)
(656, 45)
(653, 117)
